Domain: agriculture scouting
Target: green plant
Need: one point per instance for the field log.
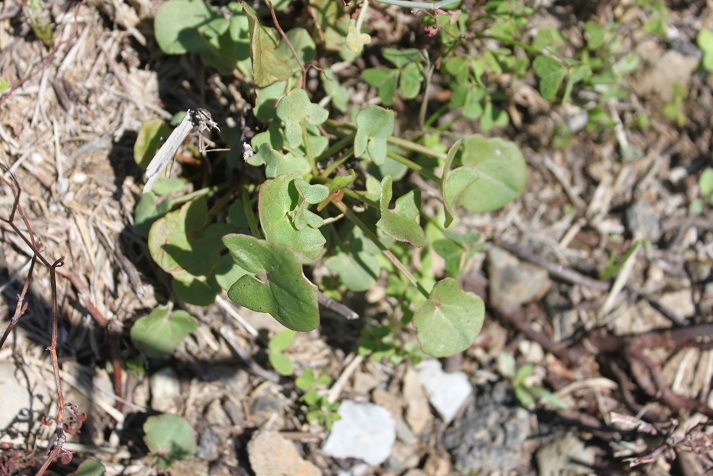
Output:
(38, 21)
(527, 394)
(169, 438)
(319, 408)
(704, 39)
(161, 331)
(281, 362)
(674, 109)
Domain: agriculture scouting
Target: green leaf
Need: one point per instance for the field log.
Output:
(181, 246)
(278, 199)
(401, 58)
(410, 80)
(285, 293)
(312, 194)
(296, 110)
(524, 396)
(506, 365)
(282, 364)
(169, 437)
(374, 126)
(384, 80)
(501, 174)
(267, 67)
(90, 467)
(455, 183)
(704, 39)
(551, 73)
(449, 320)
(282, 340)
(161, 331)
(523, 373)
(178, 24)
(305, 380)
(340, 94)
(355, 40)
(150, 138)
(549, 397)
(277, 163)
(596, 35)
(303, 45)
(357, 268)
(401, 223)
(705, 184)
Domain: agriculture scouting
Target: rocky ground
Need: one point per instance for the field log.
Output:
(629, 355)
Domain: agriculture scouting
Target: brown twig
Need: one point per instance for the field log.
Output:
(74, 423)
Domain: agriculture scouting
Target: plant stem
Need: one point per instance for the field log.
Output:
(424, 5)
(252, 222)
(414, 166)
(414, 147)
(308, 150)
(372, 236)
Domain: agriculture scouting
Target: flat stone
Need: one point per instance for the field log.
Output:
(165, 390)
(513, 282)
(366, 431)
(447, 392)
(271, 454)
(418, 412)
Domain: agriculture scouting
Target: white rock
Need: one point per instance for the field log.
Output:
(165, 390)
(447, 392)
(366, 431)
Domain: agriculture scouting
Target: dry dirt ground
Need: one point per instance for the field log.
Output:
(632, 349)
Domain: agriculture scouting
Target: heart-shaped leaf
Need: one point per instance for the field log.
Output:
(161, 331)
(285, 294)
(169, 437)
(401, 223)
(297, 110)
(178, 24)
(384, 80)
(449, 321)
(374, 126)
(551, 73)
(496, 171)
(278, 200)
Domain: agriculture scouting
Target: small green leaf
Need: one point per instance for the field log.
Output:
(551, 73)
(454, 183)
(374, 126)
(312, 194)
(296, 110)
(410, 80)
(282, 340)
(506, 365)
(178, 24)
(357, 269)
(524, 396)
(401, 58)
(705, 184)
(90, 467)
(161, 331)
(278, 199)
(501, 174)
(596, 35)
(282, 364)
(340, 94)
(355, 40)
(305, 380)
(523, 373)
(150, 138)
(449, 320)
(285, 294)
(169, 437)
(267, 67)
(401, 223)
(384, 80)
(705, 43)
